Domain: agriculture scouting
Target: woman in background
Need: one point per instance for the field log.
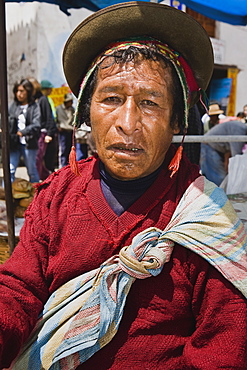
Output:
(24, 130)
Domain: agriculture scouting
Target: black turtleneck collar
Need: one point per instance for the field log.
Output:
(121, 194)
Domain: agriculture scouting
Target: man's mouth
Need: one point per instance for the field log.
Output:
(127, 148)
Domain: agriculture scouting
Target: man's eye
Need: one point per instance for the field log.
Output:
(112, 99)
(149, 103)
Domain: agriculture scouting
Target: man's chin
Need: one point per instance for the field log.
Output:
(125, 173)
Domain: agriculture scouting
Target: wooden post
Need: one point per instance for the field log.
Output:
(5, 131)
(231, 107)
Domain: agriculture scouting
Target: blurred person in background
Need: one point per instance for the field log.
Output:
(213, 117)
(245, 112)
(46, 88)
(48, 127)
(81, 138)
(241, 117)
(24, 129)
(50, 158)
(215, 156)
(65, 116)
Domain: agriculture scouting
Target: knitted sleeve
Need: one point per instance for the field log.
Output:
(219, 338)
(25, 282)
(23, 285)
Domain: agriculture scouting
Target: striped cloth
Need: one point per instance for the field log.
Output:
(83, 315)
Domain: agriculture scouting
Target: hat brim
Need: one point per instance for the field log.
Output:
(214, 113)
(165, 23)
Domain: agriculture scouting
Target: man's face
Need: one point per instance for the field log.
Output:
(214, 120)
(130, 116)
(68, 103)
(22, 95)
(47, 91)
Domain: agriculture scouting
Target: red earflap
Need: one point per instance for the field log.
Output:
(72, 157)
(175, 162)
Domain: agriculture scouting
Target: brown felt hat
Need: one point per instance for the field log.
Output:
(177, 29)
(214, 109)
(67, 97)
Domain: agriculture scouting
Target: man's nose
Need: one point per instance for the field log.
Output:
(129, 117)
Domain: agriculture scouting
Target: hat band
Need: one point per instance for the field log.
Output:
(183, 70)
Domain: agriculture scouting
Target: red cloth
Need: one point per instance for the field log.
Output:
(188, 317)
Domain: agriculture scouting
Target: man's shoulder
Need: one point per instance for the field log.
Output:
(228, 127)
(72, 109)
(216, 130)
(60, 108)
(42, 98)
(43, 101)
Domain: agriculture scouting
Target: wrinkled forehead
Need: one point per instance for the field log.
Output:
(137, 77)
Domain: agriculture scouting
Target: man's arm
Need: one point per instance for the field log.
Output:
(23, 287)
(219, 340)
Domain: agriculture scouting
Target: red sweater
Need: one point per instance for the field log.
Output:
(188, 317)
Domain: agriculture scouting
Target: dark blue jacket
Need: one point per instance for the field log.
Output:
(32, 129)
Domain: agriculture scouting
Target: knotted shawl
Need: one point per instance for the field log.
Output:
(84, 314)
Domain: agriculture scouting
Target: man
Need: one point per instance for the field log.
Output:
(245, 112)
(108, 227)
(82, 142)
(46, 88)
(44, 159)
(215, 156)
(50, 158)
(65, 116)
(213, 117)
(24, 129)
